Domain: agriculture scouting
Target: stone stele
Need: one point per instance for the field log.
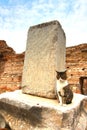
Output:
(45, 53)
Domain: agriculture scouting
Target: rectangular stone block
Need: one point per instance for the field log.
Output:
(45, 53)
(26, 112)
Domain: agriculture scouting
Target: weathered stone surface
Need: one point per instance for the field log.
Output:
(45, 53)
(35, 113)
(85, 106)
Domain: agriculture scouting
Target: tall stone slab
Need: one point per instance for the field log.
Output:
(45, 53)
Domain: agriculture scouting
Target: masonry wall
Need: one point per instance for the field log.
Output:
(76, 64)
(11, 66)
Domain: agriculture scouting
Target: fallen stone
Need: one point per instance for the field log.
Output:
(35, 113)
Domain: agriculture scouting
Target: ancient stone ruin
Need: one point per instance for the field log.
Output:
(76, 64)
(11, 65)
(45, 53)
(26, 109)
(26, 112)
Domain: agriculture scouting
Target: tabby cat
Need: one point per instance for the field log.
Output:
(63, 91)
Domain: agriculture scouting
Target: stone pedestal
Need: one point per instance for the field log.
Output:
(45, 53)
(26, 112)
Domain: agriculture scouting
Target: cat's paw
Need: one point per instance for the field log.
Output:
(60, 104)
(64, 105)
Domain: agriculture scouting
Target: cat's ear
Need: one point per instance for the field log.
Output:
(65, 71)
(56, 71)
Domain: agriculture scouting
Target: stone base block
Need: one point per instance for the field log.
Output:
(26, 112)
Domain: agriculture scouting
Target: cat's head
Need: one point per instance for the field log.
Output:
(61, 75)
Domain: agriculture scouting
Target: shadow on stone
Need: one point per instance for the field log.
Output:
(35, 116)
(3, 123)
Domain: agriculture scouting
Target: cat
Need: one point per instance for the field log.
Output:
(63, 91)
(3, 124)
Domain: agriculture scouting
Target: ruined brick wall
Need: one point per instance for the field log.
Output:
(11, 66)
(76, 64)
